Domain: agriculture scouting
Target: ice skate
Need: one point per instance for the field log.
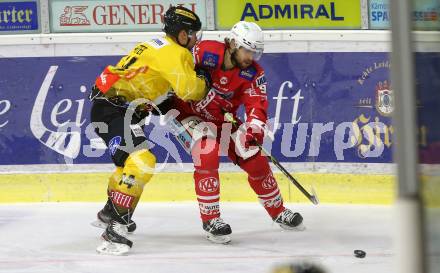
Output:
(114, 240)
(290, 220)
(104, 217)
(217, 231)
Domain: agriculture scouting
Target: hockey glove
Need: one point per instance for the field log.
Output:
(254, 135)
(204, 74)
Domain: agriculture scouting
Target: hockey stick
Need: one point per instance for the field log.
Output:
(312, 197)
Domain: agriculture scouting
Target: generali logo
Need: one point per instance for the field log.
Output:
(74, 16)
(116, 13)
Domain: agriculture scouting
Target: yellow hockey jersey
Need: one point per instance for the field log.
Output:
(152, 69)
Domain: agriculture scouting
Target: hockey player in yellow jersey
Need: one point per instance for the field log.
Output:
(152, 67)
(146, 74)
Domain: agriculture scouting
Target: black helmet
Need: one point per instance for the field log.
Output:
(178, 18)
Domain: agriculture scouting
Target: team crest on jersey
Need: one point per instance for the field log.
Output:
(248, 73)
(223, 80)
(210, 59)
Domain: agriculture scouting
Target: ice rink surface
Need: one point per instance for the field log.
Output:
(58, 237)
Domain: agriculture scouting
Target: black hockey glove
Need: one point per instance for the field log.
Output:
(164, 106)
(204, 74)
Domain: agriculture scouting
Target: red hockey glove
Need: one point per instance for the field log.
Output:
(254, 135)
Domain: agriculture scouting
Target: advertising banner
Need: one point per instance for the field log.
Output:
(324, 107)
(284, 14)
(19, 17)
(426, 14)
(428, 105)
(379, 14)
(115, 15)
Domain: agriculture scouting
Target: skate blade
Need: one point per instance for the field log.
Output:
(218, 239)
(300, 227)
(110, 248)
(99, 224)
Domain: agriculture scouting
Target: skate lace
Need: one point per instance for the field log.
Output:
(287, 216)
(217, 223)
(119, 228)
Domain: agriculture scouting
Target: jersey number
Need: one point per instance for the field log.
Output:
(129, 62)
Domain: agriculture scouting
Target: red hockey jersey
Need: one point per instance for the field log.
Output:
(230, 88)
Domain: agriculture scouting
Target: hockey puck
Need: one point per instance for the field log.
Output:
(359, 253)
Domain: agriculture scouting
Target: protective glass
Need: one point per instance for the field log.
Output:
(256, 54)
(199, 34)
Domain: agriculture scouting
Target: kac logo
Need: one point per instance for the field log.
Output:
(223, 80)
(209, 184)
(269, 182)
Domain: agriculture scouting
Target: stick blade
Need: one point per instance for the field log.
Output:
(314, 196)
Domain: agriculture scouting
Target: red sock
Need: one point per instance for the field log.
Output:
(208, 193)
(263, 183)
(206, 178)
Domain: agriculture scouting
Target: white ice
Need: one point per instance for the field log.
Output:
(58, 237)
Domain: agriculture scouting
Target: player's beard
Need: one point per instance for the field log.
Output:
(237, 63)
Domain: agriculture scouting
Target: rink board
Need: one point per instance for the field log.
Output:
(90, 187)
(164, 187)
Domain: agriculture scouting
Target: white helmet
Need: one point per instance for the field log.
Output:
(250, 36)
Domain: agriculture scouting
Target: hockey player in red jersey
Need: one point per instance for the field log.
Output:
(236, 80)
